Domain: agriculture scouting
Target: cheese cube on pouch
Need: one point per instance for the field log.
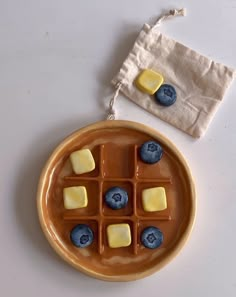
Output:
(149, 81)
(75, 197)
(118, 235)
(82, 161)
(154, 199)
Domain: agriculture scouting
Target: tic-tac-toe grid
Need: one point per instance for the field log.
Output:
(101, 181)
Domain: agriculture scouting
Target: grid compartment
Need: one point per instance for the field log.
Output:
(93, 224)
(93, 198)
(118, 161)
(144, 170)
(158, 224)
(128, 187)
(147, 185)
(96, 152)
(113, 251)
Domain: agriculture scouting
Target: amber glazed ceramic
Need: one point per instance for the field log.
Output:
(115, 148)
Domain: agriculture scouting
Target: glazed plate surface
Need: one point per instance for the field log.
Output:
(115, 148)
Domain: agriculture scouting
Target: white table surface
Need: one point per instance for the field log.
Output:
(56, 61)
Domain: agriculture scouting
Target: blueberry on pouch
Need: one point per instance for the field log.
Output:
(151, 237)
(116, 198)
(150, 152)
(166, 95)
(81, 235)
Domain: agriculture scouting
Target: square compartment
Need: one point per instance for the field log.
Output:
(92, 188)
(146, 185)
(118, 161)
(96, 155)
(128, 209)
(154, 199)
(93, 248)
(125, 251)
(164, 228)
(157, 170)
(118, 235)
(75, 197)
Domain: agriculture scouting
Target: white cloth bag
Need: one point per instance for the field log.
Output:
(200, 83)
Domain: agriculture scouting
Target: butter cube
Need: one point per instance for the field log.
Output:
(82, 161)
(149, 81)
(118, 235)
(75, 197)
(154, 199)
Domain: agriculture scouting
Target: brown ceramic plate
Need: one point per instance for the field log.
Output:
(114, 145)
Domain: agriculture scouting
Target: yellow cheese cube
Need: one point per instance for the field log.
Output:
(75, 197)
(82, 161)
(154, 199)
(118, 235)
(149, 81)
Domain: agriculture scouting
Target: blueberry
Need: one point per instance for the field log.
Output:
(166, 95)
(116, 198)
(81, 235)
(150, 152)
(151, 237)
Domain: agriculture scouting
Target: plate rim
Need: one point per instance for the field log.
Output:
(118, 124)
